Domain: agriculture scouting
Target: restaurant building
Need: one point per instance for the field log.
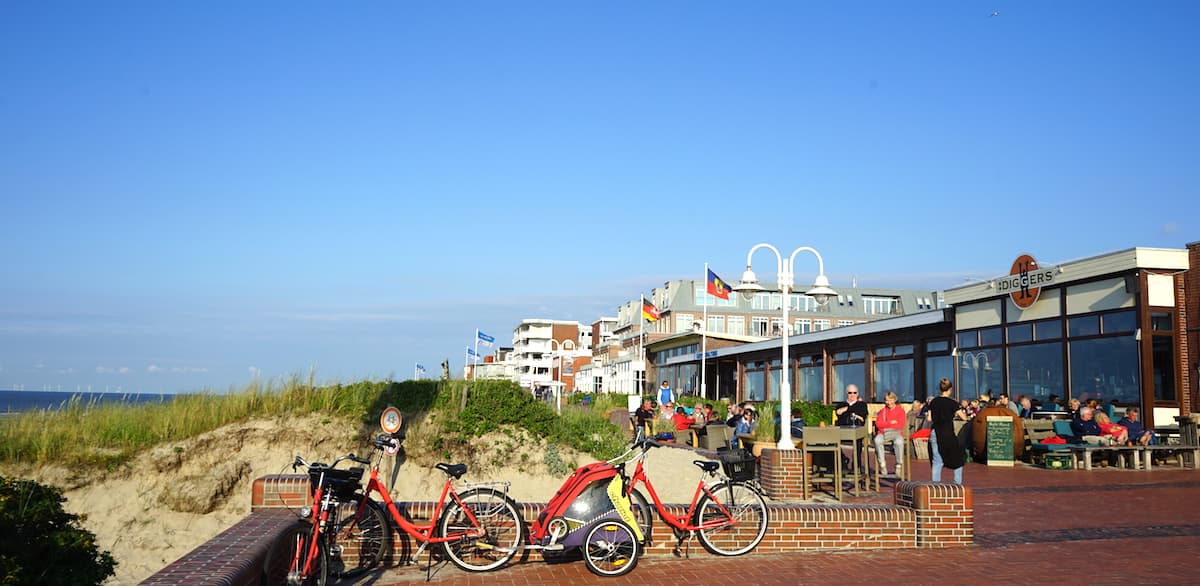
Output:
(1115, 327)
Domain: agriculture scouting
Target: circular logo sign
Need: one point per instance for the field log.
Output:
(391, 420)
(1024, 284)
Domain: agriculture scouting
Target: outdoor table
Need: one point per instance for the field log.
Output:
(858, 438)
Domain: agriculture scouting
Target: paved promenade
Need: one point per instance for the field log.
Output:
(1031, 526)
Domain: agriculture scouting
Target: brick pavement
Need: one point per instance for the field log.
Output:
(1099, 527)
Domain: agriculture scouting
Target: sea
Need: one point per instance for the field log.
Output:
(19, 401)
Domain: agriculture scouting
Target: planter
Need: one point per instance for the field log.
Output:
(757, 447)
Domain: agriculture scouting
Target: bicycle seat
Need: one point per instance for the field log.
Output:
(455, 470)
(707, 465)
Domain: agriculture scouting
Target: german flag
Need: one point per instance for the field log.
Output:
(649, 312)
(717, 287)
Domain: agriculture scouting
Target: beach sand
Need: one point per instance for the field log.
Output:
(178, 495)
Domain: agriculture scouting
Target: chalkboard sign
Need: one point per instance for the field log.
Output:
(999, 441)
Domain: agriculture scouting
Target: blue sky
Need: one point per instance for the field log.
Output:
(193, 194)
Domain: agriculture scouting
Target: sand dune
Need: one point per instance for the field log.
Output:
(179, 495)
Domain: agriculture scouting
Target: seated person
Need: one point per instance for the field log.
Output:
(1051, 404)
(797, 424)
(916, 416)
(1026, 408)
(710, 417)
(1118, 433)
(889, 427)
(851, 412)
(1073, 409)
(735, 414)
(1085, 427)
(682, 421)
(745, 426)
(1137, 432)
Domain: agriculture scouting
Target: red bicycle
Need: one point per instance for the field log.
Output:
(346, 531)
(729, 515)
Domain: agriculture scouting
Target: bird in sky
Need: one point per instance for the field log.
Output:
(996, 13)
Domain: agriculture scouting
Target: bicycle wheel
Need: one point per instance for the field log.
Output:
(289, 554)
(611, 549)
(361, 540)
(643, 513)
(489, 542)
(742, 513)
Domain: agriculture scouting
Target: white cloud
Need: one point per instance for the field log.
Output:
(110, 370)
(255, 372)
(1170, 228)
(154, 368)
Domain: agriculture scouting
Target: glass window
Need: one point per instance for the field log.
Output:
(803, 326)
(1163, 348)
(904, 350)
(701, 297)
(716, 323)
(968, 339)
(895, 376)
(936, 369)
(1018, 333)
(938, 346)
(756, 384)
(812, 383)
(1160, 321)
(737, 325)
(758, 326)
(683, 322)
(821, 325)
(990, 337)
(848, 374)
(1048, 330)
(1083, 326)
(883, 352)
(1035, 371)
(979, 371)
(761, 301)
(1105, 369)
(1118, 323)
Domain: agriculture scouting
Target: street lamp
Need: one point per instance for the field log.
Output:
(562, 345)
(821, 293)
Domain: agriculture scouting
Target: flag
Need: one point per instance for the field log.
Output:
(649, 312)
(717, 287)
(471, 352)
(420, 369)
(484, 339)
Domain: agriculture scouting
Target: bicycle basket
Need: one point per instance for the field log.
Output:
(342, 482)
(738, 464)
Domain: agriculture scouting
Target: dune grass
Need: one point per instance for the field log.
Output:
(104, 435)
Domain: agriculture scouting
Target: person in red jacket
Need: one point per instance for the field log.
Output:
(889, 427)
(682, 421)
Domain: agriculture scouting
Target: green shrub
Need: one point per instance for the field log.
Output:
(814, 412)
(43, 544)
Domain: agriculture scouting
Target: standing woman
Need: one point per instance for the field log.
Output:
(944, 448)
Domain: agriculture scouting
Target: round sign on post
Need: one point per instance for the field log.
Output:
(391, 420)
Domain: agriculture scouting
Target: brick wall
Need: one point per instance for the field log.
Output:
(924, 515)
(782, 474)
(945, 515)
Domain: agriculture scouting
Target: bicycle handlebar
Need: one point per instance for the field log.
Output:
(300, 461)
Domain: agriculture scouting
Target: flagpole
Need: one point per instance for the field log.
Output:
(476, 346)
(642, 339)
(704, 338)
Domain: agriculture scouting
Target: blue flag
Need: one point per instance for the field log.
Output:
(472, 353)
(485, 339)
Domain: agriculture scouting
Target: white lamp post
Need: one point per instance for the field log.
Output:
(558, 380)
(820, 293)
